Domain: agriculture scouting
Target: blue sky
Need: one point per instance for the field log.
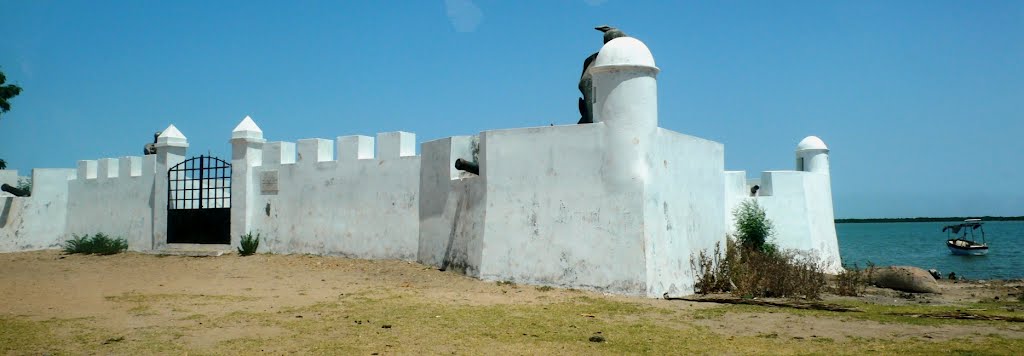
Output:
(921, 102)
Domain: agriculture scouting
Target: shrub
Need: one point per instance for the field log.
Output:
(98, 244)
(853, 282)
(714, 271)
(751, 273)
(753, 228)
(779, 274)
(249, 244)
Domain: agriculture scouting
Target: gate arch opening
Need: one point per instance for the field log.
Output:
(199, 201)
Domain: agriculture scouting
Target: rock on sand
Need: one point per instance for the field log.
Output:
(905, 278)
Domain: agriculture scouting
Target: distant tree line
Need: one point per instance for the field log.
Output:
(942, 219)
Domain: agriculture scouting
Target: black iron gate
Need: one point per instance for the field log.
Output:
(199, 201)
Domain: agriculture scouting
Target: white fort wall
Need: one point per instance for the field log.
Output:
(451, 206)
(114, 196)
(544, 210)
(682, 208)
(10, 177)
(360, 204)
(619, 205)
(551, 215)
(38, 221)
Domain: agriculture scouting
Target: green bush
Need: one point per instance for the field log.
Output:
(753, 228)
(249, 244)
(99, 244)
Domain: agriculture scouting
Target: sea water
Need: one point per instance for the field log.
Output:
(923, 244)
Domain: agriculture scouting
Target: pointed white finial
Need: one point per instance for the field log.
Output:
(247, 129)
(171, 136)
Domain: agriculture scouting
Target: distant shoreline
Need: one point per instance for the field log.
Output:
(944, 219)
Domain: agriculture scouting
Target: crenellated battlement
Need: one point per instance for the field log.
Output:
(355, 195)
(112, 168)
(387, 145)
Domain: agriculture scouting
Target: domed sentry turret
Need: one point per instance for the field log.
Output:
(812, 155)
(625, 94)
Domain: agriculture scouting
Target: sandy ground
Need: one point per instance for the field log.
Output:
(130, 303)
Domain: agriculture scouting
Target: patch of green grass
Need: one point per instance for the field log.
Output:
(22, 336)
(875, 312)
(99, 244)
(195, 317)
(193, 298)
(389, 323)
(141, 309)
(544, 288)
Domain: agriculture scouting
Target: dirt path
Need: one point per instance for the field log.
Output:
(137, 303)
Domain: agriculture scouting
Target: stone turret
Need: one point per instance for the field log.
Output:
(812, 155)
(625, 92)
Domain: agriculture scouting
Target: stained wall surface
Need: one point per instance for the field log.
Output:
(359, 205)
(683, 208)
(552, 218)
(799, 204)
(38, 221)
(451, 207)
(114, 196)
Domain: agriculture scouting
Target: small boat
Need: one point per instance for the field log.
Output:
(959, 243)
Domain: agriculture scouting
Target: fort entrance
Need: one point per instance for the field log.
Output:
(199, 201)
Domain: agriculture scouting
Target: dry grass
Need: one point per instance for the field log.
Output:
(853, 281)
(364, 307)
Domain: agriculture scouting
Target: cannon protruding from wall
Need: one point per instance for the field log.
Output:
(467, 166)
(15, 191)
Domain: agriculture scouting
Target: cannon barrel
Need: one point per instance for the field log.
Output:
(464, 165)
(17, 192)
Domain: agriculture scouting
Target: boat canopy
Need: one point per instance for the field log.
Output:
(967, 225)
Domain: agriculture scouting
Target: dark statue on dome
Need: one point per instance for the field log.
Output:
(586, 103)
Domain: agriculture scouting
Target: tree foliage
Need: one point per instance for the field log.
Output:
(6, 93)
(753, 228)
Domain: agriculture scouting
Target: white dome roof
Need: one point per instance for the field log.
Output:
(624, 51)
(811, 143)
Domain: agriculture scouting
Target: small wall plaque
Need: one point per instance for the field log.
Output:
(268, 182)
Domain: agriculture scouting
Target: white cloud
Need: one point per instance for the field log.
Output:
(464, 14)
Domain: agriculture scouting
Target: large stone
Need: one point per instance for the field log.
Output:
(905, 278)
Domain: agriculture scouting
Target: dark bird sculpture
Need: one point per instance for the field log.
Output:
(585, 103)
(610, 33)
